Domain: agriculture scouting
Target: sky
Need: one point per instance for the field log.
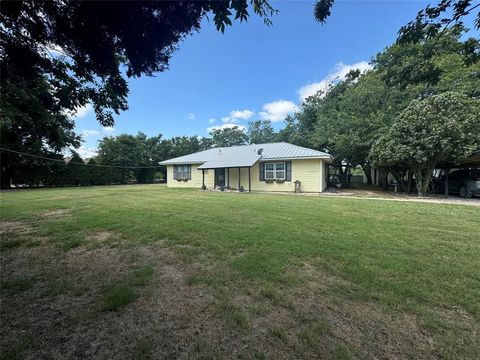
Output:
(253, 71)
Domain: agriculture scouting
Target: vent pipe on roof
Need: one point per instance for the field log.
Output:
(260, 151)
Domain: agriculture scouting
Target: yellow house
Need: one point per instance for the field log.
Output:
(258, 167)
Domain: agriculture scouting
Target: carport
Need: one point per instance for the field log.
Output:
(471, 162)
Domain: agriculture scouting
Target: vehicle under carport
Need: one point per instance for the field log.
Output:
(469, 166)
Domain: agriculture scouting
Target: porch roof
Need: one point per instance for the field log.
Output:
(233, 160)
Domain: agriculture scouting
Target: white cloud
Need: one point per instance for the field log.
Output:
(225, 126)
(108, 129)
(86, 152)
(83, 111)
(212, 120)
(236, 115)
(87, 132)
(277, 110)
(338, 73)
(191, 116)
(241, 114)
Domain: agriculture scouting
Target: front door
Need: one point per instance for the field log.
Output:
(219, 177)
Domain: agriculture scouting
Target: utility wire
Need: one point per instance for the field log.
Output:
(82, 163)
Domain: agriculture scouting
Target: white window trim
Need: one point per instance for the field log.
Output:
(284, 170)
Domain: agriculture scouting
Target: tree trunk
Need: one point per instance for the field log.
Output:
(410, 181)
(6, 178)
(399, 179)
(383, 177)
(423, 175)
(347, 175)
(367, 170)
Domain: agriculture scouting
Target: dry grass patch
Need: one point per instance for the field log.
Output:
(55, 214)
(80, 301)
(16, 227)
(99, 239)
(14, 234)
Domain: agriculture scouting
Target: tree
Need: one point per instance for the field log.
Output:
(94, 174)
(432, 65)
(290, 132)
(138, 156)
(260, 131)
(348, 119)
(429, 21)
(57, 56)
(76, 171)
(82, 46)
(126, 151)
(439, 128)
(31, 121)
(434, 20)
(229, 136)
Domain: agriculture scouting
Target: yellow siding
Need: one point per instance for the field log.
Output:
(310, 172)
(195, 182)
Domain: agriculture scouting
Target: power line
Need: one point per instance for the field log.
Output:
(82, 163)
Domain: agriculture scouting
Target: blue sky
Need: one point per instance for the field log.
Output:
(253, 71)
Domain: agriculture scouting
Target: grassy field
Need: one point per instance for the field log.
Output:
(149, 272)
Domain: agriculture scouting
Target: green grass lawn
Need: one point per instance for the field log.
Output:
(150, 272)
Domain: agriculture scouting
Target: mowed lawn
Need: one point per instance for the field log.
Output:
(132, 272)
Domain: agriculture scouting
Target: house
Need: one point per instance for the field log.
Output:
(258, 167)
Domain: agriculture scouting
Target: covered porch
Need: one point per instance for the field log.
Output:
(229, 178)
(231, 172)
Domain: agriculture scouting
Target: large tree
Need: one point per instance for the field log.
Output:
(439, 128)
(433, 65)
(70, 53)
(86, 48)
(348, 118)
(229, 136)
(31, 122)
(126, 151)
(260, 132)
(430, 21)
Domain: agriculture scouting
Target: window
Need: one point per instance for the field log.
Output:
(275, 171)
(182, 172)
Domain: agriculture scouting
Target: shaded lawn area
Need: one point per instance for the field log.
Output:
(151, 272)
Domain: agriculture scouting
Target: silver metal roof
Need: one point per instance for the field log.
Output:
(246, 155)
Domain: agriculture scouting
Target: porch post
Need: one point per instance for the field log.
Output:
(203, 178)
(228, 177)
(446, 181)
(249, 181)
(238, 178)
